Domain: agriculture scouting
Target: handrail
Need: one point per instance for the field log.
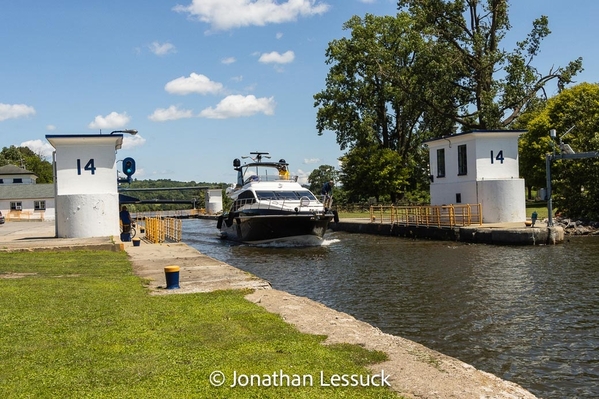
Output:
(159, 230)
(428, 215)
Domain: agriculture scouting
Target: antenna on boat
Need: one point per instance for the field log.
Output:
(258, 156)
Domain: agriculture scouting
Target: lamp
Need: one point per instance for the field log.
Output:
(132, 132)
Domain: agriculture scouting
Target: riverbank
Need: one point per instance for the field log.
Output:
(414, 370)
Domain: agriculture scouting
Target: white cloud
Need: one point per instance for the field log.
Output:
(130, 142)
(275, 57)
(308, 161)
(162, 48)
(279, 35)
(170, 114)
(14, 111)
(237, 79)
(110, 121)
(229, 14)
(50, 128)
(302, 176)
(195, 83)
(43, 148)
(235, 106)
(228, 60)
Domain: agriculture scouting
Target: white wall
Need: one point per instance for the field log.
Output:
(214, 201)
(503, 200)
(87, 200)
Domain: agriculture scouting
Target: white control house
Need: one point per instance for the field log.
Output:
(479, 167)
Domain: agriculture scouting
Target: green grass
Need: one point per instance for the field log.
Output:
(539, 206)
(82, 325)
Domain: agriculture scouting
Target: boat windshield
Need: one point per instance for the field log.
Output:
(284, 195)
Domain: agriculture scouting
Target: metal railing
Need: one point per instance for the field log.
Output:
(428, 215)
(25, 215)
(158, 229)
(274, 203)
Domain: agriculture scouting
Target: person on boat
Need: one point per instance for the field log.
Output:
(283, 173)
(125, 217)
(327, 193)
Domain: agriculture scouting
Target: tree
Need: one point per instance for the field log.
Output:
(493, 87)
(372, 172)
(320, 176)
(372, 99)
(575, 183)
(24, 157)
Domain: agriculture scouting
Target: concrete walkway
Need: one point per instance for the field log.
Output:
(415, 371)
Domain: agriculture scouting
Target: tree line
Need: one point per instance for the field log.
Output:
(440, 67)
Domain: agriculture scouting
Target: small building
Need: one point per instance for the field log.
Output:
(479, 167)
(21, 198)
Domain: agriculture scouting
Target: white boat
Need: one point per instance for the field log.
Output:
(269, 205)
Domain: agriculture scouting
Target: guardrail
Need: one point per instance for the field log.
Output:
(428, 215)
(159, 230)
(25, 215)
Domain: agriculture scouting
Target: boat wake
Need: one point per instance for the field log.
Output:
(295, 242)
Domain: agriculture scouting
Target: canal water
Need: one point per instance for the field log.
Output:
(526, 314)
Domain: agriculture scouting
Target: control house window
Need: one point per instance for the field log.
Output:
(39, 205)
(16, 206)
(462, 160)
(441, 162)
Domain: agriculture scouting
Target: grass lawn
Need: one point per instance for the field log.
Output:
(81, 324)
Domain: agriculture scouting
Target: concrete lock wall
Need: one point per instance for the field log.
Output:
(87, 200)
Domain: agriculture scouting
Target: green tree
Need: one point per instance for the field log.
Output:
(318, 177)
(492, 86)
(24, 157)
(372, 99)
(372, 172)
(575, 183)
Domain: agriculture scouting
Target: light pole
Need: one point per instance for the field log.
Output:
(132, 132)
(566, 152)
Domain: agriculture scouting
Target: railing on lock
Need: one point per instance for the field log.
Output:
(160, 229)
(428, 215)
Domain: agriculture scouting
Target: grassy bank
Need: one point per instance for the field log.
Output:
(81, 324)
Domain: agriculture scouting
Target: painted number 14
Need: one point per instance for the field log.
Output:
(89, 166)
(499, 156)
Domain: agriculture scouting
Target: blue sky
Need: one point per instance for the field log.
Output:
(206, 81)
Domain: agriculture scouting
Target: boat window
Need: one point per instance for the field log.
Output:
(287, 195)
(306, 193)
(246, 195)
(266, 195)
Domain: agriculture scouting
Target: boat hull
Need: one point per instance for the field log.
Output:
(254, 229)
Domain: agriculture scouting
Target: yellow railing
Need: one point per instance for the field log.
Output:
(159, 230)
(428, 215)
(25, 215)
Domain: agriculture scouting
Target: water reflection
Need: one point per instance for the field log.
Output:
(526, 314)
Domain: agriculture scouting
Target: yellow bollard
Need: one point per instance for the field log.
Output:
(172, 277)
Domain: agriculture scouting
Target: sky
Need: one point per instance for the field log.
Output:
(207, 81)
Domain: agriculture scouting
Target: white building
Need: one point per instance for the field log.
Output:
(85, 177)
(479, 167)
(21, 198)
